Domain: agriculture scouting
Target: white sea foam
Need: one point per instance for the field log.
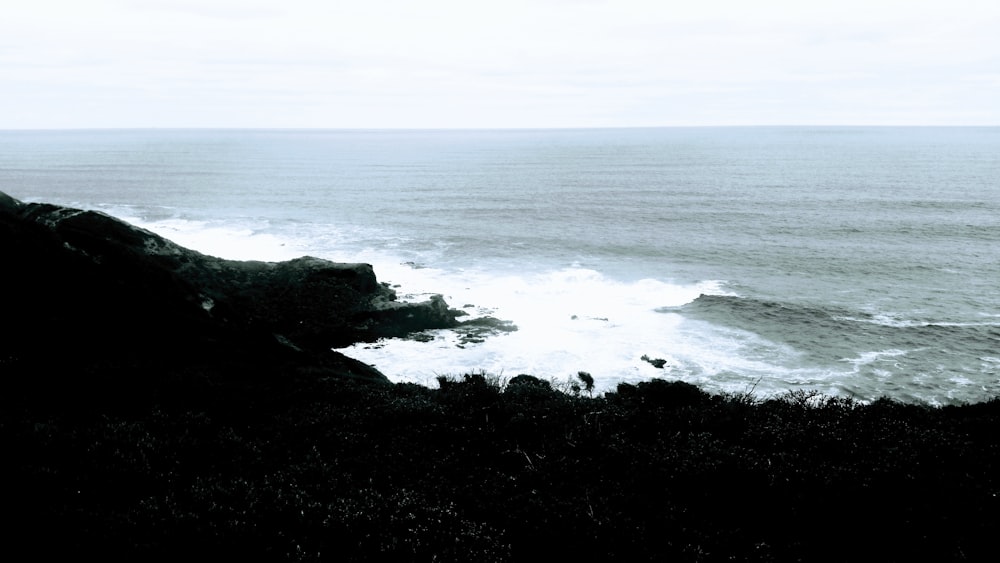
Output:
(575, 320)
(569, 320)
(868, 358)
(890, 320)
(223, 240)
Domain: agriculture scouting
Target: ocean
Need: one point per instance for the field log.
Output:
(854, 261)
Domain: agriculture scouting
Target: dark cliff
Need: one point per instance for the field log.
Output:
(83, 289)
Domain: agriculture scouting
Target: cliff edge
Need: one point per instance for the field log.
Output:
(84, 289)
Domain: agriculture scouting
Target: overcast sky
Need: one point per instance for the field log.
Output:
(510, 63)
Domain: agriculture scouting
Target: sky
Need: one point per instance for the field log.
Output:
(497, 64)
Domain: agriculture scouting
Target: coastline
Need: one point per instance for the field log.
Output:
(111, 296)
(841, 280)
(199, 436)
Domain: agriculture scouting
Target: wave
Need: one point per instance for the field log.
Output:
(227, 241)
(753, 313)
(731, 308)
(834, 334)
(892, 320)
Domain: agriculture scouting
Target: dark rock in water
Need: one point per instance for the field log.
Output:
(421, 337)
(84, 286)
(385, 317)
(656, 363)
(476, 330)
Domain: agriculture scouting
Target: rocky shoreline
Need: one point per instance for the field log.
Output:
(160, 404)
(87, 288)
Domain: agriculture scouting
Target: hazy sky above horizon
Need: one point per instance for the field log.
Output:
(532, 63)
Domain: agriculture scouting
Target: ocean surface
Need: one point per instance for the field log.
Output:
(854, 261)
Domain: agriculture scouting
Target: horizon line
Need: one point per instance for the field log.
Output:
(562, 128)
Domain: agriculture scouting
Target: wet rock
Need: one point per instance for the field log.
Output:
(656, 363)
(388, 318)
(475, 331)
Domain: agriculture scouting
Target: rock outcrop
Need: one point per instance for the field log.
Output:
(84, 286)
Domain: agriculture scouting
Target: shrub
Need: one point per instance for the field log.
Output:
(660, 393)
(588, 381)
(529, 381)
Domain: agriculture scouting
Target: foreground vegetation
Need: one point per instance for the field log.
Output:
(309, 468)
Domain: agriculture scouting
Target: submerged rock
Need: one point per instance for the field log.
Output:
(82, 284)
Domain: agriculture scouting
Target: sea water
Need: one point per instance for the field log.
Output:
(855, 261)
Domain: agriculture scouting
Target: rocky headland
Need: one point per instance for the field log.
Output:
(92, 292)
